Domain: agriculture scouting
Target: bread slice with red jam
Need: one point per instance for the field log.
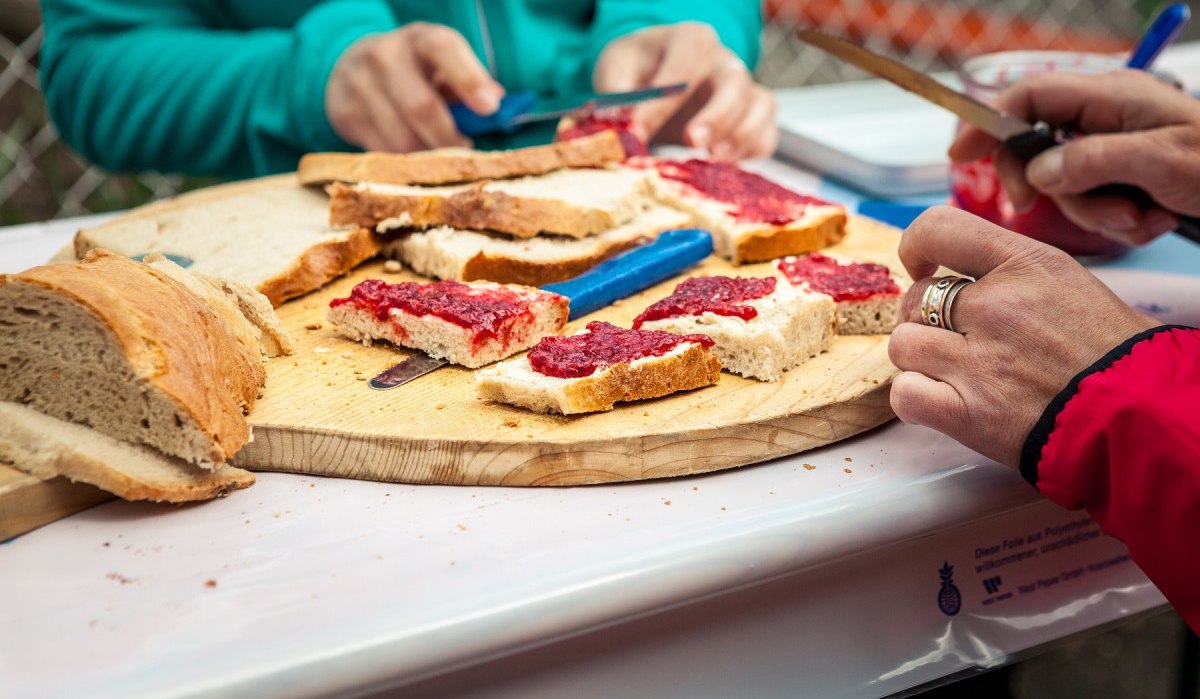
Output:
(598, 367)
(752, 219)
(761, 326)
(471, 324)
(867, 294)
(614, 120)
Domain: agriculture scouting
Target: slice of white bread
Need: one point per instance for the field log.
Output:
(272, 239)
(688, 365)
(798, 223)
(574, 202)
(451, 253)
(450, 165)
(122, 347)
(45, 447)
(248, 313)
(867, 294)
(519, 317)
(790, 326)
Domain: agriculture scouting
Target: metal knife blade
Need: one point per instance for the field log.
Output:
(988, 118)
(1019, 137)
(556, 108)
(520, 108)
(616, 278)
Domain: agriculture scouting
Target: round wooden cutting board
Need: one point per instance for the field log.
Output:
(319, 416)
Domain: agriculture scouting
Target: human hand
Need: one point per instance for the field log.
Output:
(1140, 132)
(388, 91)
(723, 109)
(1031, 322)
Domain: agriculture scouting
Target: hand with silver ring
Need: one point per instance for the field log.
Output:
(1032, 319)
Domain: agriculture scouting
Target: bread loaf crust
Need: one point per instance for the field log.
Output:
(451, 165)
(321, 264)
(771, 242)
(170, 340)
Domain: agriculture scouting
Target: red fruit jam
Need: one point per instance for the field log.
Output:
(724, 296)
(747, 196)
(575, 356)
(482, 310)
(618, 119)
(853, 282)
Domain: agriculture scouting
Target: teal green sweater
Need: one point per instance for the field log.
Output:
(237, 87)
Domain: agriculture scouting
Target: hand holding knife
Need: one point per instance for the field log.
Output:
(1021, 138)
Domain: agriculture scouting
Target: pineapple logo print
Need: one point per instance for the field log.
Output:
(949, 598)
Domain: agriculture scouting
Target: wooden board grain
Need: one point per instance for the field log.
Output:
(318, 416)
(27, 503)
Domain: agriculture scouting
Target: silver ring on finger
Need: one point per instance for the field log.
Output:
(948, 302)
(933, 303)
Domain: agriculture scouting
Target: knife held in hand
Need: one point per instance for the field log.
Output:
(1021, 138)
(616, 278)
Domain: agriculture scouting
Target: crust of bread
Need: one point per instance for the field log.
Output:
(474, 207)
(696, 366)
(45, 447)
(170, 338)
(321, 264)
(451, 165)
(806, 235)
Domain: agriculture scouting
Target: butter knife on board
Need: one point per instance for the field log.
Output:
(1023, 139)
(616, 278)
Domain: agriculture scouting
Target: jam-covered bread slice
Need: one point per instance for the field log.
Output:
(867, 294)
(614, 120)
(598, 367)
(752, 219)
(761, 326)
(471, 324)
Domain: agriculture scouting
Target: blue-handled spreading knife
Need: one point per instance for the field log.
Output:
(520, 108)
(616, 278)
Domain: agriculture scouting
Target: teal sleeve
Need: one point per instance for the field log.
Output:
(738, 22)
(162, 85)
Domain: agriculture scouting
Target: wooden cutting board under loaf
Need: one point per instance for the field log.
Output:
(318, 415)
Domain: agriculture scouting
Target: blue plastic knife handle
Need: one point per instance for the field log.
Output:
(1163, 30)
(512, 105)
(632, 271)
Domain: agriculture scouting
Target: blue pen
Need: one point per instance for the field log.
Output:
(1163, 30)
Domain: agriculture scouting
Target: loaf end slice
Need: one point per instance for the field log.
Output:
(45, 447)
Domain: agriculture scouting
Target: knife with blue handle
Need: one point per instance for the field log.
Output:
(520, 108)
(616, 278)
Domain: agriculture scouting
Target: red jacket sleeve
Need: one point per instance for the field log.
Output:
(1123, 442)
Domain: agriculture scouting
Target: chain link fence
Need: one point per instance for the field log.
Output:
(40, 177)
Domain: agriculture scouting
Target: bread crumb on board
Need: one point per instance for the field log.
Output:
(392, 267)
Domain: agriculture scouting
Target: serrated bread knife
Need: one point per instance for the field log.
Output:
(1023, 139)
(616, 278)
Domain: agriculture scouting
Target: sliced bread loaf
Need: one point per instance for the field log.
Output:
(752, 219)
(451, 253)
(572, 202)
(470, 324)
(45, 447)
(450, 165)
(122, 347)
(867, 294)
(761, 327)
(598, 367)
(272, 238)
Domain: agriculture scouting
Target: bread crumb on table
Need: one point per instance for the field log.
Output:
(809, 467)
(313, 326)
(392, 266)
